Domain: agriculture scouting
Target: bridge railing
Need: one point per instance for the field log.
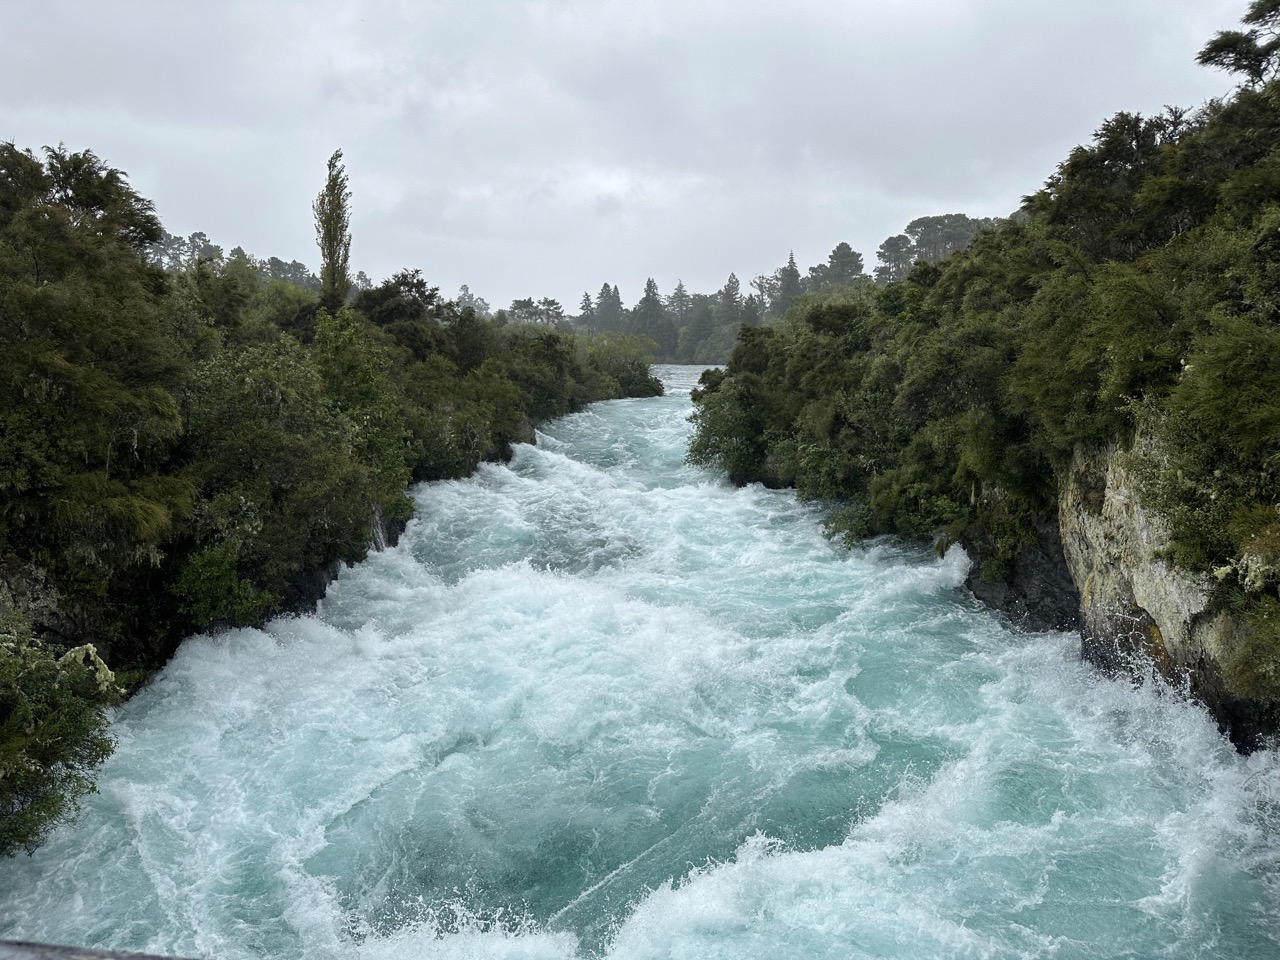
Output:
(18, 950)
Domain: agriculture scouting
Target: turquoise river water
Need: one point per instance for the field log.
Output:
(598, 703)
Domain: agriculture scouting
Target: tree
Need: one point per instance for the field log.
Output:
(169, 252)
(200, 248)
(527, 310)
(468, 299)
(294, 272)
(680, 304)
(285, 476)
(843, 267)
(88, 364)
(789, 286)
(646, 312)
(649, 319)
(766, 287)
(550, 311)
(1092, 199)
(587, 312)
(333, 219)
(730, 301)
(175, 253)
(896, 255)
(406, 296)
(1252, 53)
(355, 371)
(523, 310)
(936, 238)
(701, 328)
(609, 309)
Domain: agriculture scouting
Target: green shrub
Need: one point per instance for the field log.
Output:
(53, 731)
(211, 589)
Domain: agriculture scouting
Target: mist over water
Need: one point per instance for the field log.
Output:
(598, 703)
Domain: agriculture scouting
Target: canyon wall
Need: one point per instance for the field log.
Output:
(1136, 608)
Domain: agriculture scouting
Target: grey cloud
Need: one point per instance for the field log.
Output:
(540, 148)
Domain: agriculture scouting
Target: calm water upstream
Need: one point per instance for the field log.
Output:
(598, 703)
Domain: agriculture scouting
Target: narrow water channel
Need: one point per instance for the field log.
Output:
(599, 703)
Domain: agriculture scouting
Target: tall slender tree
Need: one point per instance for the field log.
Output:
(332, 209)
(730, 297)
(701, 328)
(649, 318)
(789, 286)
(587, 313)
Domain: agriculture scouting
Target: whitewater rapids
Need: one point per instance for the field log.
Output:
(599, 703)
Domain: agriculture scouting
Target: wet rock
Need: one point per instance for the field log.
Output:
(1136, 608)
(1037, 593)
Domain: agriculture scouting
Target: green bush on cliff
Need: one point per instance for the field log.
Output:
(89, 359)
(53, 731)
(283, 484)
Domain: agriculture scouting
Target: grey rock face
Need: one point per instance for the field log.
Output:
(1134, 602)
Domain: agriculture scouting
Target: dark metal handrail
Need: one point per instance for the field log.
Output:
(19, 950)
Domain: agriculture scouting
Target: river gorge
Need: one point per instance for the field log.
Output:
(599, 703)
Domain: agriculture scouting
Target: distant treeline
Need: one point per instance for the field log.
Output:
(700, 327)
(188, 439)
(1139, 290)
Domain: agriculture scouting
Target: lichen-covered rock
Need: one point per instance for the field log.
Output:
(25, 589)
(1135, 602)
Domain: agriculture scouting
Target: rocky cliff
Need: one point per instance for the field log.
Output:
(1138, 609)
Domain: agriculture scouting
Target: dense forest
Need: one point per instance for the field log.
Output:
(190, 440)
(690, 327)
(1132, 303)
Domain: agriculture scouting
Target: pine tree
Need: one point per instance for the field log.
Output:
(789, 286)
(649, 319)
(730, 298)
(844, 265)
(587, 313)
(896, 255)
(702, 326)
(609, 315)
(680, 303)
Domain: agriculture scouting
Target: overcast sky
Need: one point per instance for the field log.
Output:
(542, 148)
